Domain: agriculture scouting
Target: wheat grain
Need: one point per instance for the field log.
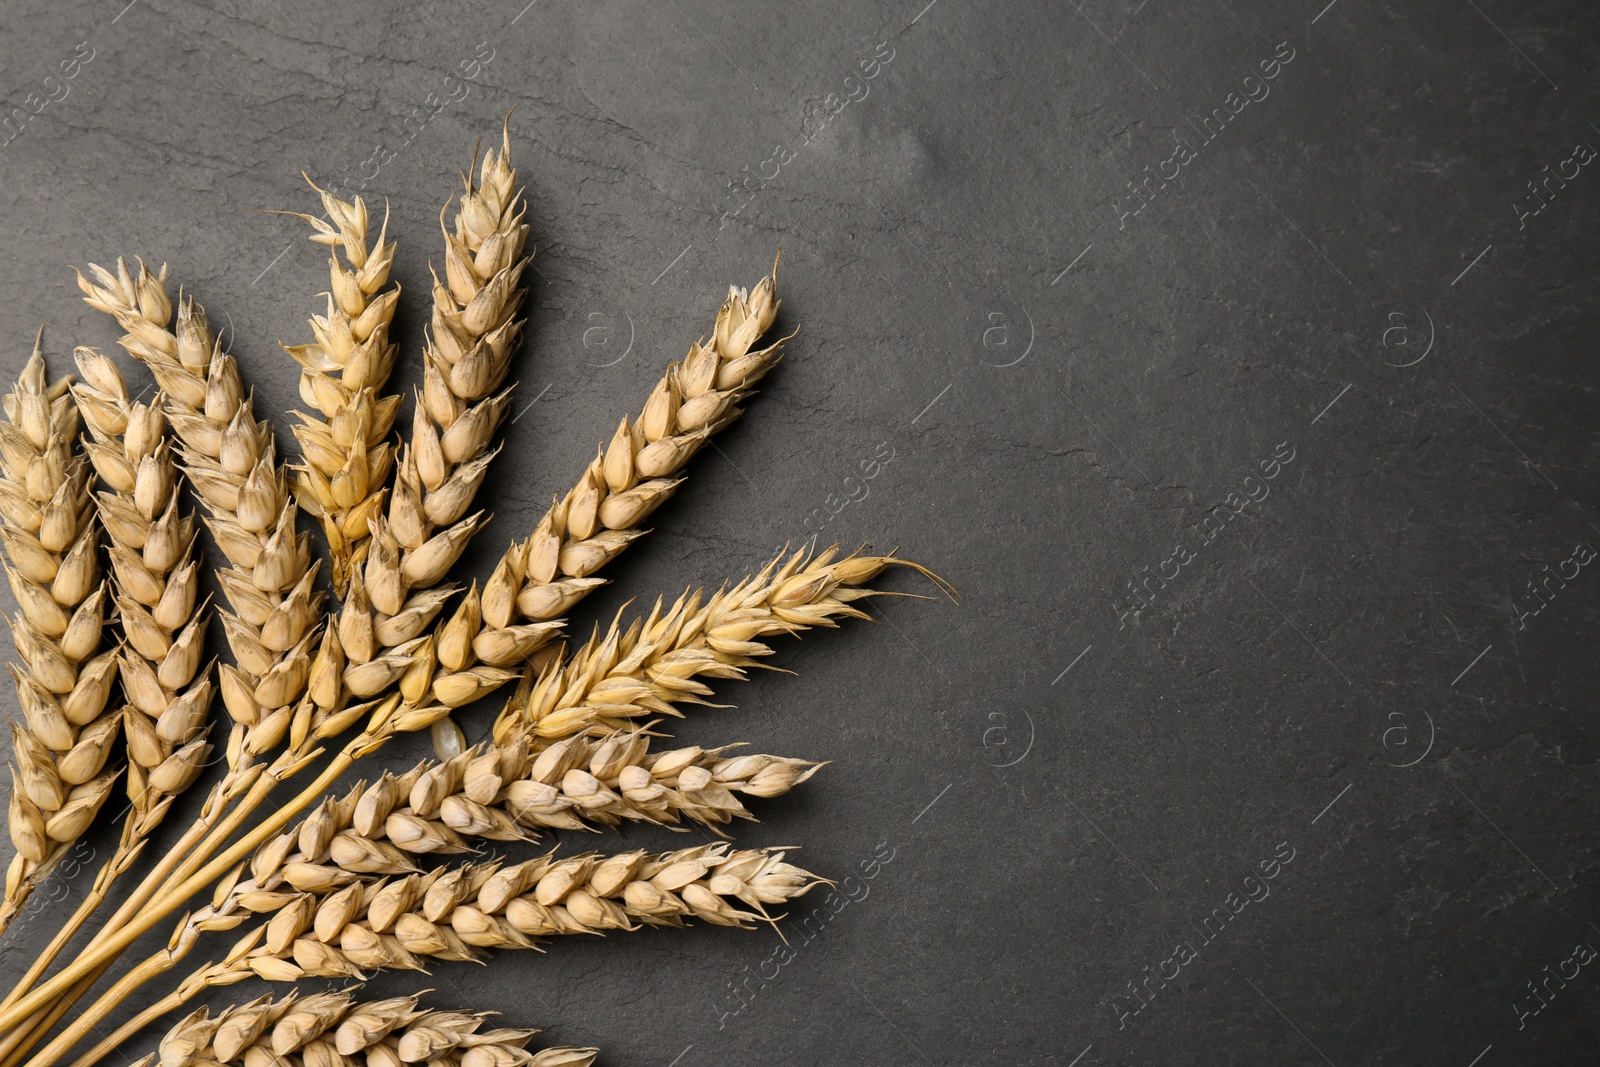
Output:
(231, 460)
(48, 529)
(334, 1029)
(156, 580)
(347, 455)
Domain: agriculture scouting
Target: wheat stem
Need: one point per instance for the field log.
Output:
(176, 863)
(169, 862)
(686, 407)
(483, 633)
(21, 1039)
(103, 951)
(89, 1020)
(167, 1004)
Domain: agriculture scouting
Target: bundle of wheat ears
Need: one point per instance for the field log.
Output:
(325, 664)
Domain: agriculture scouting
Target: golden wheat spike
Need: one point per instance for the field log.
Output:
(347, 456)
(334, 1029)
(231, 461)
(50, 538)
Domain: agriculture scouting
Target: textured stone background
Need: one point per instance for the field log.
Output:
(1069, 782)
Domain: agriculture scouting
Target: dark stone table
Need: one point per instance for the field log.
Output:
(1235, 362)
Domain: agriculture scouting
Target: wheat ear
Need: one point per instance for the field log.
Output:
(640, 467)
(156, 582)
(334, 1029)
(544, 576)
(347, 455)
(368, 923)
(510, 793)
(365, 923)
(473, 333)
(48, 529)
(231, 460)
(656, 663)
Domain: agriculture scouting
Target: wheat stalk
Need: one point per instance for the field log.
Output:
(413, 670)
(48, 529)
(347, 457)
(341, 890)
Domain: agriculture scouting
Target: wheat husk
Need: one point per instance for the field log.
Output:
(156, 581)
(230, 459)
(64, 741)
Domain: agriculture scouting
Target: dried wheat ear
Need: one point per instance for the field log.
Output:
(347, 925)
(230, 459)
(49, 529)
(334, 1029)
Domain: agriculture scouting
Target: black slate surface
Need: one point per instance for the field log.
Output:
(1246, 474)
